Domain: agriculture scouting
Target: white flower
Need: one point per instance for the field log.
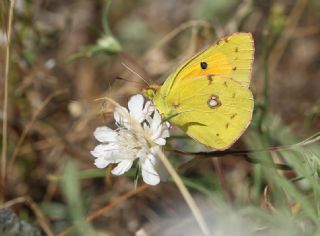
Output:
(128, 142)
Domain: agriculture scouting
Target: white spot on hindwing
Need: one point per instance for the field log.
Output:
(214, 101)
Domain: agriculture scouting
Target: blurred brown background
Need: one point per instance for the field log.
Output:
(62, 46)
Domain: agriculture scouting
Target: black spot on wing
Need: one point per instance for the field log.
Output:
(203, 65)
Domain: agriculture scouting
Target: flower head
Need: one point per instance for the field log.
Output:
(128, 142)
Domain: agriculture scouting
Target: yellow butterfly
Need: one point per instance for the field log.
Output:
(208, 96)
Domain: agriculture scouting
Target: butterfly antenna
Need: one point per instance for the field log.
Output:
(134, 72)
(131, 81)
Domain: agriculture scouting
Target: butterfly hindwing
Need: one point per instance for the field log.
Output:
(212, 109)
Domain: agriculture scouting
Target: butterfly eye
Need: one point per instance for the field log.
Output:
(203, 65)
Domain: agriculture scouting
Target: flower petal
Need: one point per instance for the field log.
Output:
(158, 131)
(149, 174)
(156, 121)
(165, 132)
(105, 134)
(101, 162)
(148, 109)
(108, 151)
(161, 170)
(160, 141)
(121, 116)
(122, 167)
(135, 106)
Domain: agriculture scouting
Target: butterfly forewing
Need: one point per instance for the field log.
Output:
(231, 57)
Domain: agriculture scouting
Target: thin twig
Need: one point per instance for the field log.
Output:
(224, 186)
(178, 30)
(105, 209)
(116, 202)
(5, 100)
(217, 154)
(185, 193)
(312, 139)
(29, 126)
(287, 34)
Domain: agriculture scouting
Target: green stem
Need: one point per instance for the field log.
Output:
(105, 23)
